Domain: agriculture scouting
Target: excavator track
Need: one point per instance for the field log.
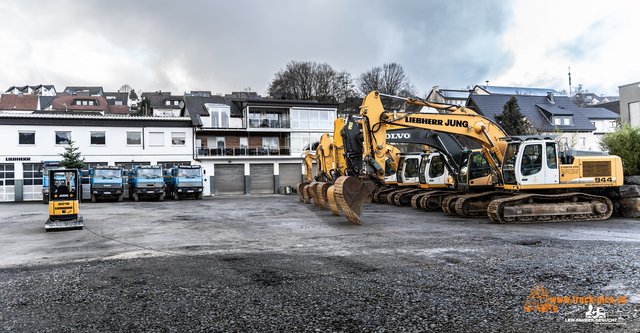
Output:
(529, 208)
(300, 190)
(321, 195)
(382, 195)
(391, 197)
(332, 200)
(350, 193)
(449, 204)
(402, 199)
(415, 200)
(476, 204)
(433, 201)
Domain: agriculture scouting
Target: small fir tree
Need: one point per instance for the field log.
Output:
(512, 120)
(71, 157)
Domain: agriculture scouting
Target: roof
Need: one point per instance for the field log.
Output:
(75, 119)
(459, 94)
(45, 101)
(17, 102)
(116, 96)
(518, 91)
(78, 90)
(66, 102)
(195, 107)
(613, 106)
(118, 109)
(537, 109)
(599, 113)
(157, 99)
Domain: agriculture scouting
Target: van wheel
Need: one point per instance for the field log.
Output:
(135, 197)
(120, 197)
(161, 197)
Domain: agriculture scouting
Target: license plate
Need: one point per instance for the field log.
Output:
(107, 192)
(189, 191)
(149, 191)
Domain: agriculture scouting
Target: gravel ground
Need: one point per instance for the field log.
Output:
(429, 276)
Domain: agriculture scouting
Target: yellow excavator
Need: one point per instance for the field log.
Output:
(533, 182)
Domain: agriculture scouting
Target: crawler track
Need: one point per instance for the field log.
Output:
(528, 208)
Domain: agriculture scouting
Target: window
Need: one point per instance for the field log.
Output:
(566, 121)
(90, 102)
(552, 162)
(557, 121)
(63, 138)
(118, 103)
(134, 138)
(436, 168)
(582, 142)
(531, 160)
(27, 138)
(156, 139)
(176, 102)
(85, 103)
(313, 119)
(167, 103)
(178, 138)
(219, 115)
(244, 146)
(271, 143)
(98, 138)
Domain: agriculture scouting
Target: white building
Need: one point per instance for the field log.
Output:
(30, 139)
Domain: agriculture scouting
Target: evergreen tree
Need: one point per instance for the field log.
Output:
(71, 157)
(512, 120)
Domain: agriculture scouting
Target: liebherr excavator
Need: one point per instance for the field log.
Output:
(535, 183)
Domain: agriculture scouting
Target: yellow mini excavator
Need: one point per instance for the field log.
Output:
(64, 192)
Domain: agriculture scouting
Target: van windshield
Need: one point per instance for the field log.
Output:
(150, 173)
(107, 173)
(188, 172)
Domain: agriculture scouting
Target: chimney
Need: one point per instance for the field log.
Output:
(550, 97)
(436, 88)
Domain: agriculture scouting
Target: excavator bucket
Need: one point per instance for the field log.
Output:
(351, 193)
(321, 195)
(308, 193)
(300, 189)
(332, 200)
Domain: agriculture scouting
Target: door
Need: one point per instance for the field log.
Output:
(410, 170)
(290, 174)
(7, 187)
(552, 173)
(229, 179)
(531, 165)
(437, 174)
(261, 178)
(32, 181)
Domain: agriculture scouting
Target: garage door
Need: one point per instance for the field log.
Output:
(290, 174)
(32, 181)
(7, 187)
(262, 181)
(229, 179)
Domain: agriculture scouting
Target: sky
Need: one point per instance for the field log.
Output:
(225, 46)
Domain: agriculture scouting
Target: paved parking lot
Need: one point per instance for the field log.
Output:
(271, 263)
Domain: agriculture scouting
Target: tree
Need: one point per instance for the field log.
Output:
(624, 142)
(125, 88)
(389, 79)
(133, 95)
(144, 106)
(311, 81)
(512, 120)
(71, 157)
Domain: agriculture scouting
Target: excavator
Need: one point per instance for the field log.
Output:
(532, 182)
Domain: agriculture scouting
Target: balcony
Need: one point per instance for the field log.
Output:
(269, 123)
(244, 151)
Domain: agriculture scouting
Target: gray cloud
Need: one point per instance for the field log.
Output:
(225, 46)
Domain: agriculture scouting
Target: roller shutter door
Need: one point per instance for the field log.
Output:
(290, 174)
(261, 178)
(229, 179)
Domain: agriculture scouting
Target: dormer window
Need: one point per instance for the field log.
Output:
(167, 103)
(563, 120)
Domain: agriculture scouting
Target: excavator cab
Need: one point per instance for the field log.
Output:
(475, 171)
(64, 192)
(433, 172)
(408, 169)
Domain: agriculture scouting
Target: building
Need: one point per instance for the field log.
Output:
(255, 145)
(18, 103)
(448, 96)
(514, 91)
(163, 104)
(31, 139)
(40, 90)
(630, 103)
(552, 114)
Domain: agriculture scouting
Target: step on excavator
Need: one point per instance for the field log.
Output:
(532, 181)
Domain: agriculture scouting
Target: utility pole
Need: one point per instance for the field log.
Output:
(569, 81)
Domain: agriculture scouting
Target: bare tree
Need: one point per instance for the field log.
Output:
(126, 88)
(389, 79)
(311, 81)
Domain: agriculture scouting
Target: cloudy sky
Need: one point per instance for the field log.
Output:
(225, 46)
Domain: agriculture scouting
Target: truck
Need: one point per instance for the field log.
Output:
(106, 183)
(184, 181)
(146, 181)
(46, 166)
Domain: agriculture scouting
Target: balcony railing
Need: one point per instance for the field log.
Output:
(269, 123)
(244, 151)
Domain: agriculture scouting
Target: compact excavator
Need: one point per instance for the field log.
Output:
(532, 181)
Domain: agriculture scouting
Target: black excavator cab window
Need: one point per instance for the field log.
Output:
(63, 186)
(531, 160)
(509, 163)
(411, 168)
(436, 167)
